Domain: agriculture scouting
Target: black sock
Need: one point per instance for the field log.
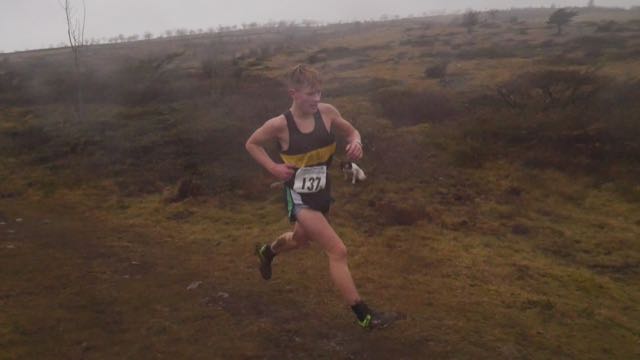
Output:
(361, 310)
(268, 253)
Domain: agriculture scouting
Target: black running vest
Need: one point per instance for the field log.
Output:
(314, 149)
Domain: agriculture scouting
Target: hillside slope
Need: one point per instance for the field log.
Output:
(501, 211)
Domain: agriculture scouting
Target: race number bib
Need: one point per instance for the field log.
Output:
(310, 179)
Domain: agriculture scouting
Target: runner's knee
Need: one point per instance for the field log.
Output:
(337, 252)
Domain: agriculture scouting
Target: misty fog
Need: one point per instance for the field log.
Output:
(34, 24)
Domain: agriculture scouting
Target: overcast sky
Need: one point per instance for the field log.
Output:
(33, 24)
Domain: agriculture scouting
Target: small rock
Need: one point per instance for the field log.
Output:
(10, 246)
(442, 191)
(513, 191)
(223, 294)
(208, 301)
(8, 195)
(519, 229)
(180, 215)
(3, 223)
(194, 285)
(608, 186)
(19, 220)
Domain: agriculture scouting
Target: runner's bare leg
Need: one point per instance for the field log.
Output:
(317, 228)
(290, 240)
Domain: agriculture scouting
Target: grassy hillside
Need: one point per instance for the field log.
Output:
(501, 211)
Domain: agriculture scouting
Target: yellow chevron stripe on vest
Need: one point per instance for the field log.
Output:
(310, 158)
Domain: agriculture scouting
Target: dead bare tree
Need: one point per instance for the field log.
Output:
(75, 33)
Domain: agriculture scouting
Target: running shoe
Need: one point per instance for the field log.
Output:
(265, 261)
(380, 320)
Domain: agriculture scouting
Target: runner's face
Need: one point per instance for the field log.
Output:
(307, 98)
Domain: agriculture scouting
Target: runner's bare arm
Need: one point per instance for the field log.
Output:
(346, 130)
(255, 146)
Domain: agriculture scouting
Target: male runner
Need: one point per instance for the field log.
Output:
(305, 134)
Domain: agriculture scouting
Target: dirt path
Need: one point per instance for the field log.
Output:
(73, 287)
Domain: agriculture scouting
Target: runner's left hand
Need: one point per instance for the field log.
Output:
(354, 151)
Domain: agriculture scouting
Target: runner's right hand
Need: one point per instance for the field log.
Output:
(283, 171)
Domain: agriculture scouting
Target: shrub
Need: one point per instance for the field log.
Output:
(420, 41)
(399, 213)
(549, 88)
(597, 43)
(560, 18)
(591, 136)
(13, 87)
(470, 154)
(486, 52)
(606, 26)
(400, 154)
(26, 139)
(35, 81)
(437, 71)
(186, 188)
(357, 86)
(140, 82)
(334, 53)
(405, 107)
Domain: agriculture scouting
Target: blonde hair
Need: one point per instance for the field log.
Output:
(303, 75)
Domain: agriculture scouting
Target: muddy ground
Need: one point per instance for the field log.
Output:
(76, 287)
